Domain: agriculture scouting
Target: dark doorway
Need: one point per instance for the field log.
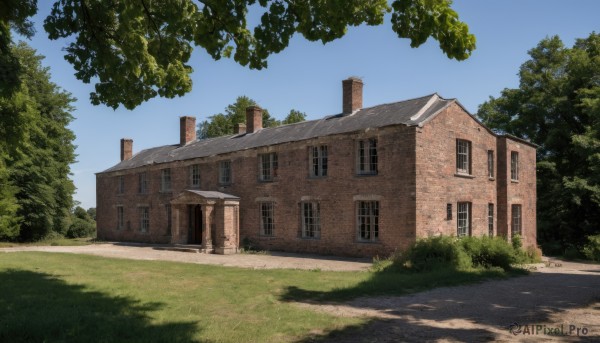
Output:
(195, 227)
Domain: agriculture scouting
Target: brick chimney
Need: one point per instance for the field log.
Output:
(253, 119)
(352, 94)
(126, 148)
(239, 128)
(187, 130)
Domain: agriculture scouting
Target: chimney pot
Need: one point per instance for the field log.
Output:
(239, 128)
(352, 89)
(126, 149)
(253, 119)
(187, 130)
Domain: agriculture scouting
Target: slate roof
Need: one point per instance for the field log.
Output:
(411, 112)
(212, 194)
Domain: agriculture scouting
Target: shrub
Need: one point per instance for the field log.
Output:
(435, 253)
(591, 250)
(490, 252)
(552, 248)
(517, 242)
(81, 228)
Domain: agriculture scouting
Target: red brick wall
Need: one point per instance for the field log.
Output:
(521, 192)
(394, 186)
(437, 180)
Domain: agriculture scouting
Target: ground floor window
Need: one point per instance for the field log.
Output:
(464, 219)
(266, 219)
(368, 220)
(120, 218)
(491, 220)
(516, 220)
(311, 220)
(144, 219)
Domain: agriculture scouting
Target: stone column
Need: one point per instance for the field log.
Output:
(206, 227)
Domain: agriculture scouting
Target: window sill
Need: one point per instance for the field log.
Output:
(367, 175)
(514, 181)
(492, 178)
(223, 185)
(314, 177)
(368, 241)
(309, 238)
(466, 176)
(165, 192)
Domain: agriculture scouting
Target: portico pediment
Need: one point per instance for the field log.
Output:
(190, 196)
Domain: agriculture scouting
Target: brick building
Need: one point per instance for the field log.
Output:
(365, 182)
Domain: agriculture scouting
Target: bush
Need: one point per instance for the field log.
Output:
(81, 228)
(490, 252)
(465, 253)
(591, 250)
(572, 253)
(517, 242)
(435, 253)
(552, 248)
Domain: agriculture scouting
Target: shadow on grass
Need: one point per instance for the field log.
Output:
(37, 307)
(391, 282)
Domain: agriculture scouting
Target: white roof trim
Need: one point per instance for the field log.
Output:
(429, 103)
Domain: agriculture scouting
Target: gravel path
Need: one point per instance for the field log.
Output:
(549, 297)
(255, 261)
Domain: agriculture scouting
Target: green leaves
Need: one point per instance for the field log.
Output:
(557, 106)
(136, 50)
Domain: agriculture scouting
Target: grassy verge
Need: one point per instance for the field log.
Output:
(61, 241)
(64, 297)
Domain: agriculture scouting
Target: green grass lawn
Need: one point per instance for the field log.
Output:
(65, 297)
(51, 241)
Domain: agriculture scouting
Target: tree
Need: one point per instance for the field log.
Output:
(136, 50)
(294, 117)
(38, 149)
(557, 106)
(222, 124)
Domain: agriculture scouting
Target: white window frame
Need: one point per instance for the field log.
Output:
(165, 180)
(463, 219)
(143, 183)
(120, 184)
(367, 159)
(144, 219)
(491, 220)
(225, 172)
(195, 176)
(490, 163)
(267, 218)
(516, 215)
(463, 157)
(318, 160)
(311, 219)
(120, 218)
(267, 167)
(514, 166)
(367, 220)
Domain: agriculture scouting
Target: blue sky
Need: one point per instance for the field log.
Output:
(307, 76)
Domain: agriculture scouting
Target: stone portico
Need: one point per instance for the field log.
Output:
(207, 218)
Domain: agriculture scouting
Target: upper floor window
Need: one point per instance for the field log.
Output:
(463, 157)
(318, 162)
(143, 183)
(267, 166)
(463, 226)
(490, 163)
(144, 219)
(367, 216)
(311, 220)
(366, 163)
(120, 218)
(120, 184)
(514, 165)
(448, 211)
(165, 180)
(195, 176)
(267, 223)
(491, 220)
(516, 220)
(225, 172)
